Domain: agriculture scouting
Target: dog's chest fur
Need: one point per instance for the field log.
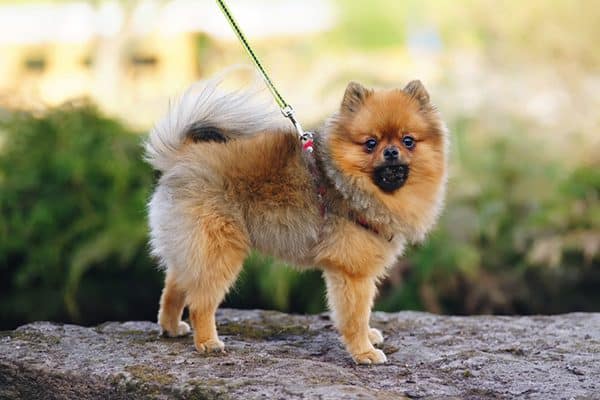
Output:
(291, 207)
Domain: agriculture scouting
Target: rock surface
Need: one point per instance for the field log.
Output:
(278, 356)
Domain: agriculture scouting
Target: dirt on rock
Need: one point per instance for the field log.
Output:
(271, 355)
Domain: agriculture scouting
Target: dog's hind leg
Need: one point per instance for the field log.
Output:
(172, 302)
(223, 245)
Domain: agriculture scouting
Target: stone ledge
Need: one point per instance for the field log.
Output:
(272, 355)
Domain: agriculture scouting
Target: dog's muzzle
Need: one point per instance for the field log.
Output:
(390, 177)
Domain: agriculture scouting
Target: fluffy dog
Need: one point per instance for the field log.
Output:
(235, 177)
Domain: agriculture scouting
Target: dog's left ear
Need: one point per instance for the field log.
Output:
(416, 90)
(354, 97)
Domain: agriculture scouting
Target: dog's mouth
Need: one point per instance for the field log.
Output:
(390, 177)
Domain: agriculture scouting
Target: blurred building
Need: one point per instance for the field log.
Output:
(130, 57)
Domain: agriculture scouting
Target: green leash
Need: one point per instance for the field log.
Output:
(286, 109)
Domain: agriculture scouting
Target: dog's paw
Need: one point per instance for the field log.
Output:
(373, 356)
(183, 329)
(210, 346)
(375, 336)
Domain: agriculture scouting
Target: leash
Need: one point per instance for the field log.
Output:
(306, 138)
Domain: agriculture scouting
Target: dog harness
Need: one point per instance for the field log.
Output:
(321, 189)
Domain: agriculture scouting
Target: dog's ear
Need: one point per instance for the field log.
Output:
(417, 91)
(354, 97)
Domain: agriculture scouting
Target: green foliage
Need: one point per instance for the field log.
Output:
(520, 232)
(73, 230)
(73, 189)
(267, 283)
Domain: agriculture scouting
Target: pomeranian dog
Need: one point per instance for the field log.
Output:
(236, 177)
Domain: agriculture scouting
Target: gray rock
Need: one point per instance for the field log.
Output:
(272, 355)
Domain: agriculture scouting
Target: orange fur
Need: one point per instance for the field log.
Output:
(172, 302)
(351, 299)
(218, 200)
(222, 257)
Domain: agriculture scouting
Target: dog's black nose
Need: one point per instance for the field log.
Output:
(390, 153)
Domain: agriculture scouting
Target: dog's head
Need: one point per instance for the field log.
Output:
(393, 145)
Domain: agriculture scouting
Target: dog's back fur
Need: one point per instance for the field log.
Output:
(207, 112)
(217, 148)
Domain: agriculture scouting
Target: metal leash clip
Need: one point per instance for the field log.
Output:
(306, 138)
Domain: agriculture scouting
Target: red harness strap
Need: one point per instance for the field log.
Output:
(362, 221)
(308, 147)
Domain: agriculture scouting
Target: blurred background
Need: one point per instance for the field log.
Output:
(518, 82)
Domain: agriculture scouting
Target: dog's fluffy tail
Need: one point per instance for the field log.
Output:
(205, 112)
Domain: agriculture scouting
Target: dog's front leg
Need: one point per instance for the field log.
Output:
(350, 299)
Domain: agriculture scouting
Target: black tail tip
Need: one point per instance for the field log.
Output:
(202, 133)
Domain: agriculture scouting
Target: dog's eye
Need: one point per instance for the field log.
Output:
(408, 141)
(370, 144)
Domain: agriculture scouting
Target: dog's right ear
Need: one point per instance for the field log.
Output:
(416, 90)
(354, 97)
